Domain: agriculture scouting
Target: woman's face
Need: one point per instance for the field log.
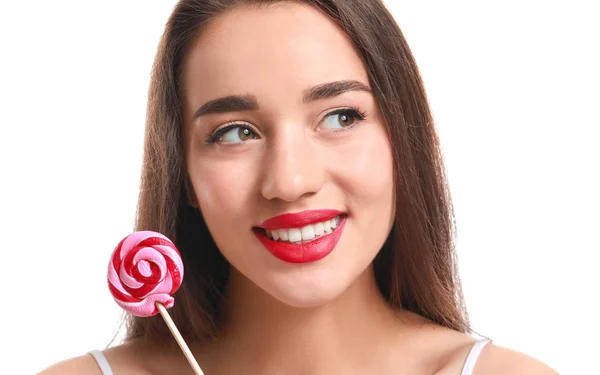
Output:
(280, 120)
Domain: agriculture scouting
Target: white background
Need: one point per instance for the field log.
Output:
(515, 90)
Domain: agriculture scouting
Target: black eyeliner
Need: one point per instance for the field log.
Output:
(353, 111)
(357, 113)
(214, 137)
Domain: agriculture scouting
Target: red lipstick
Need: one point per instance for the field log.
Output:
(300, 219)
(304, 252)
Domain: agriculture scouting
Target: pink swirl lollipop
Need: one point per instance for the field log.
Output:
(145, 268)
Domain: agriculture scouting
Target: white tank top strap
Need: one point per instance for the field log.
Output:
(102, 362)
(473, 356)
(467, 368)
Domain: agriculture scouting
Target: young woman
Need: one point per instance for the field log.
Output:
(291, 156)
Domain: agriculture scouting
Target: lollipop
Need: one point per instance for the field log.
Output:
(145, 268)
(144, 272)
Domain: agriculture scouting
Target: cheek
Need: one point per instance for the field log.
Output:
(364, 168)
(366, 177)
(223, 188)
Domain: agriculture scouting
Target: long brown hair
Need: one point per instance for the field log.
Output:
(416, 268)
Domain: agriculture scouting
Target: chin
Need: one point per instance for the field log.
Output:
(306, 299)
(309, 290)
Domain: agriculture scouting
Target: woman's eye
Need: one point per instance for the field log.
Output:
(233, 134)
(341, 118)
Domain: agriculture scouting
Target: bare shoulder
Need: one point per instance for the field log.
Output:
(451, 348)
(496, 360)
(123, 359)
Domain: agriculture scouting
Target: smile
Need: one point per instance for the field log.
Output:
(305, 234)
(302, 237)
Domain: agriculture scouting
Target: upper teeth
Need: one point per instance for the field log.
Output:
(305, 233)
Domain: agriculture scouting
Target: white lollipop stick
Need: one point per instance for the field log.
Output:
(179, 339)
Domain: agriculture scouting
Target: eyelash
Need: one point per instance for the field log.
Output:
(214, 137)
(353, 111)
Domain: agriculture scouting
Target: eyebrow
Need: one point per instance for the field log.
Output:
(231, 103)
(237, 103)
(331, 89)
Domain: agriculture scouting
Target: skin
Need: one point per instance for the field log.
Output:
(320, 318)
(300, 159)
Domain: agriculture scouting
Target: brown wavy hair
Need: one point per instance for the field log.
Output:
(416, 269)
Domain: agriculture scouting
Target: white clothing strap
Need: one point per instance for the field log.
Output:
(102, 362)
(473, 356)
(467, 369)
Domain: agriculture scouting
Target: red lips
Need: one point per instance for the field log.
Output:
(310, 251)
(300, 219)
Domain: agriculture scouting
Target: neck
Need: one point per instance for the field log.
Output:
(275, 337)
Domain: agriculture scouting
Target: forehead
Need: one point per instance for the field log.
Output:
(273, 52)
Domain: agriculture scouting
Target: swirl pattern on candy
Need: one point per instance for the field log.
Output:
(145, 268)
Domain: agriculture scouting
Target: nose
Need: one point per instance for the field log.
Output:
(292, 167)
